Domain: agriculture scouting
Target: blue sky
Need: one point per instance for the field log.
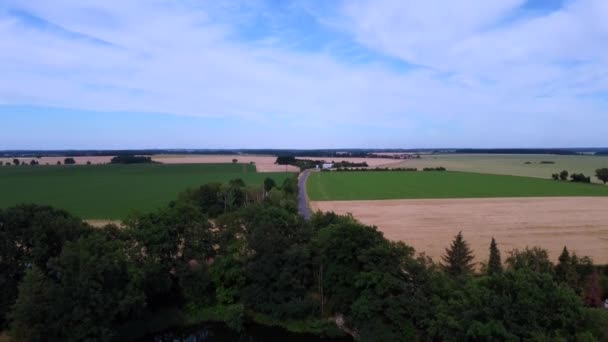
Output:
(303, 74)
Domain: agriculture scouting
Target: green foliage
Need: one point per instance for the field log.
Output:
(30, 235)
(595, 322)
(602, 174)
(535, 259)
(563, 175)
(458, 259)
(494, 262)
(580, 178)
(368, 185)
(90, 288)
(278, 269)
(130, 159)
(69, 161)
(167, 243)
(269, 183)
(511, 306)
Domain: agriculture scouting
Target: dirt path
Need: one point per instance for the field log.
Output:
(581, 223)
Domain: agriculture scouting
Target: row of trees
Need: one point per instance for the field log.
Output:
(601, 174)
(17, 162)
(131, 159)
(248, 252)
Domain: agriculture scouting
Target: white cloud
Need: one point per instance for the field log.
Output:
(482, 64)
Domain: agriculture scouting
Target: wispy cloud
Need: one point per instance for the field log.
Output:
(423, 73)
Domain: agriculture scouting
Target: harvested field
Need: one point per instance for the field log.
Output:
(262, 163)
(429, 225)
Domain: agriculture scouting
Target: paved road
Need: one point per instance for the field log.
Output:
(302, 196)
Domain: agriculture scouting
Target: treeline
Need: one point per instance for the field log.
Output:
(377, 169)
(131, 159)
(601, 174)
(34, 162)
(311, 164)
(234, 253)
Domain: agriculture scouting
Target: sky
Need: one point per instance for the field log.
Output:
(105, 74)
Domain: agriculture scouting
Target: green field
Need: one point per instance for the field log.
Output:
(328, 186)
(528, 165)
(114, 191)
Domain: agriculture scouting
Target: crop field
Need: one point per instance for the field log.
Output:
(429, 225)
(529, 165)
(114, 191)
(377, 185)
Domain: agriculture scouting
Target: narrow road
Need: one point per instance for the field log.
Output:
(302, 196)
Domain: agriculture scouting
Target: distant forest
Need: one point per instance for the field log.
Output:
(345, 152)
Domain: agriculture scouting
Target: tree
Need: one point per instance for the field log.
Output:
(278, 268)
(535, 259)
(563, 175)
(69, 161)
(59, 162)
(555, 176)
(457, 260)
(592, 295)
(269, 183)
(234, 160)
(164, 243)
(92, 289)
(31, 235)
(512, 306)
(494, 263)
(602, 174)
(564, 270)
(16, 161)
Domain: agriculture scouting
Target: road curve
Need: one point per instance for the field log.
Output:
(302, 196)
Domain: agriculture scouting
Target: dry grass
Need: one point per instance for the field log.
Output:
(581, 223)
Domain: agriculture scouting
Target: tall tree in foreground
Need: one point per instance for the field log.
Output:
(494, 263)
(602, 174)
(457, 260)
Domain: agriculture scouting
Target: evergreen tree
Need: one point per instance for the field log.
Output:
(565, 272)
(494, 263)
(457, 260)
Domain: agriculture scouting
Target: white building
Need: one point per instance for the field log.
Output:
(327, 166)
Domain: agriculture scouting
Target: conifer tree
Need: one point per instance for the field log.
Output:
(564, 271)
(494, 263)
(457, 260)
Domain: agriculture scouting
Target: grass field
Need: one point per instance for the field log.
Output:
(511, 164)
(113, 191)
(331, 186)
